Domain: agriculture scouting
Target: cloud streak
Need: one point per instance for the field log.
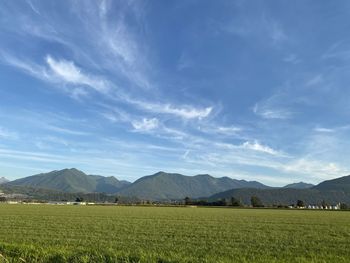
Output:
(186, 112)
(145, 124)
(267, 112)
(68, 72)
(256, 146)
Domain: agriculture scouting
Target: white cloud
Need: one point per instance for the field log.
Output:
(66, 71)
(264, 28)
(59, 71)
(318, 79)
(28, 67)
(145, 124)
(66, 131)
(184, 62)
(276, 31)
(33, 156)
(320, 129)
(338, 50)
(266, 111)
(112, 46)
(228, 130)
(6, 134)
(186, 112)
(216, 130)
(292, 58)
(256, 146)
(121, 44)
(69, 72)
(29, 2)
(316, 169)
(111, 117)
(185, 155)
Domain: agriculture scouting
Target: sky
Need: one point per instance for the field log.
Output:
(254, 90)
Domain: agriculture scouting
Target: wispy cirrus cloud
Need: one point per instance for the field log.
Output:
(28, 67)
(6, 134)
(221, 131)
(65, 130)
(316, 80)
(326, 130)
(145, 124)
(292, 58)
(315, 169)
(339, 50)
(68, 72)
(33, 156)
(275, 30)
(267, 111)
(186, 112)
(184, 62)
(256, 146)
(262, 26)
(111, 45)
(58, 71)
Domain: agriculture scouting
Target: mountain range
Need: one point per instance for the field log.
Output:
(161, 186)
(158, 186)
(332, 191)
(173, 186)
(71, 181)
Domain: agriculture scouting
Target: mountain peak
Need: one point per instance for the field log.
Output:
(300, 185)
(73, 170)
(160, 173)
(204, 175)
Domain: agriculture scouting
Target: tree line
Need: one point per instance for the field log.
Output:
(254, 202)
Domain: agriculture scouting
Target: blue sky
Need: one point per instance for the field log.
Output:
(254, 90)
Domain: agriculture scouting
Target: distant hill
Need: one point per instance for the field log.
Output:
(71, 180)
(300, 185)
(165, 186)
(3, 180)
(285, 196)
(330, 191)
(338, 184)
(34, 193)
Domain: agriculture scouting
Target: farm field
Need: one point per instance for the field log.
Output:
(50, 233)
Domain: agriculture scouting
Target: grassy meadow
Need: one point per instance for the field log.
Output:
(50, 233)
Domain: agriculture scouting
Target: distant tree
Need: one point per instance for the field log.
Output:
(324, 204)
(223, 202)
(2, 199)
(300, 203)
(256, 202)
(79, 199)
(116, 200)
(187, 200)
(235, 202)
(343, 206)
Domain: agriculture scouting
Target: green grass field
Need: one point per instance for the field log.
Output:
(47, 233)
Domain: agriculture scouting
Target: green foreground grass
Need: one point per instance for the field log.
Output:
(47, 233)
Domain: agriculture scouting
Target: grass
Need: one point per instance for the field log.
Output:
(47, 233)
